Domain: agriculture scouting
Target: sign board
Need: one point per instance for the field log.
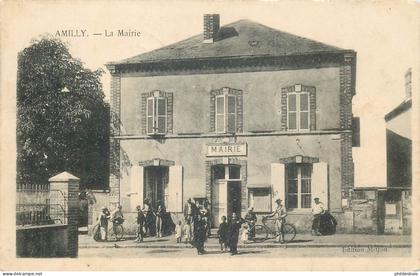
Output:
(227, 149)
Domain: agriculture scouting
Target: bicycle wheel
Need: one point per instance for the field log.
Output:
(289, 232)
(261, 233)
(119, 232)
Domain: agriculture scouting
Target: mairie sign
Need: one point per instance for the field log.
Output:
(227, 149)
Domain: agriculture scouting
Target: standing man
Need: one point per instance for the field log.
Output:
(233, 233)
(205, 212)
(103, 223)
(140, 224)
(148, 214)
(280, 216)
(160, 212)
(251, 219)
(190, 213)
(317, 211)
(199, 232)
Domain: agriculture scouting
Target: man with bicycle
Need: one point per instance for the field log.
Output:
(280, 217)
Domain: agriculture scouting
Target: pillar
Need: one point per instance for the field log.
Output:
(68, 184)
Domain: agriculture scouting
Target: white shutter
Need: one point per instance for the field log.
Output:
(175, 189)
(277, 184)
(136, 186)
(150, 116)
(320, 182)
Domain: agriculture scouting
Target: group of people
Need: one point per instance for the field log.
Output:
(197, 224)
(116, 217)
(152, 222)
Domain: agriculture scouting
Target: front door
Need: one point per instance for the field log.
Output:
(156, 185)
(226, 192)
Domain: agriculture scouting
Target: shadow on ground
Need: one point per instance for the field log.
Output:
(299, 241)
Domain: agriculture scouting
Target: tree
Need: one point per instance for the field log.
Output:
(63, 121)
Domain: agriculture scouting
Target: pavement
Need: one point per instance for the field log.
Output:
(300, 241)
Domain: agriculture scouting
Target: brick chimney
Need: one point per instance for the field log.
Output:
(211, 27)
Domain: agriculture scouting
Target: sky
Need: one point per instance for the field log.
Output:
(385, 37)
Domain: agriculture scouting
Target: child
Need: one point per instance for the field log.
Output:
(178, 232)
(223, 234)
(245, 233)
(187, 231)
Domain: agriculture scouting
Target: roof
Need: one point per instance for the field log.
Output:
(402, 107)
(242, 38)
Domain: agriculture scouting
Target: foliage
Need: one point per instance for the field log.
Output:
(56, 130)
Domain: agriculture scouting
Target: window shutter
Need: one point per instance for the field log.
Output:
(220, 113)
(150, 116)
(231, 113)
(136, 186)
(292, 111)
(277, 183)
(169, 112)
(175, 189)
(161, 112)
(320, 182)
(356, 132)
(239, 112)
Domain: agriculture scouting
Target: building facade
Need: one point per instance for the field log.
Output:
(399, 141)
(239, 116)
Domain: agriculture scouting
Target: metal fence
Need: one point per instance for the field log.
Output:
(38, 205)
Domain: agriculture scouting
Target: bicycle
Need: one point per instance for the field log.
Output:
(264, 232)
(116, 229)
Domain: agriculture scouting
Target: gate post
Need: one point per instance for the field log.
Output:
(68, 184)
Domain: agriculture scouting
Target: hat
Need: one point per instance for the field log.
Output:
(278, 200)
(104, 208)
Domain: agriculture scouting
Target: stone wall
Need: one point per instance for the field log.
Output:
(42, 241)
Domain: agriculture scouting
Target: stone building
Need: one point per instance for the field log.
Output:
(240, 115)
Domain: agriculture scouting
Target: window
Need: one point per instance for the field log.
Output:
(298, 108)
(156, 115)
(260, 199)
(298, 111)
(226, 113)
(226, 110)
(298, 186)
(157, 111)
(227, 172)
